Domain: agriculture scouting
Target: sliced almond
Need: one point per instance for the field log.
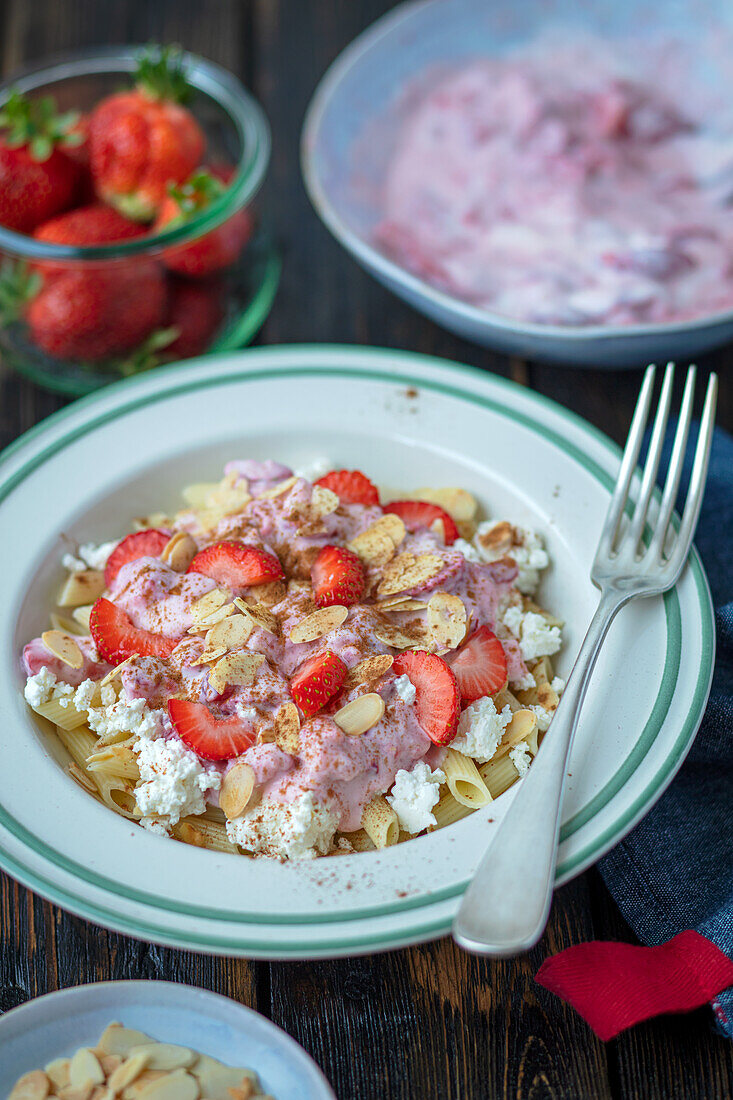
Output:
(167, 1055)
(324, 501)
(408, 571)
(447, 620)
(82, 615)
(228, 500)
(321, 622)
(209, 656)
(360, 714)
(197, 495)
(498, 539)
(114, 672)
(209, 603)
(84, 1069)
(85, 1092)
(58, 1072)
(269, 594)
(129, 1070)
(32, 1086)
(82, 587)
(235, 670)
(287, 729)
(259, 615)
(212, 619)
(236, 791)
(371, 668)
(180, 551)
(231, 632)
(391, 635)
(278, 490)
(216, 1079)
(401, 603)
(64, 647)
(117, 1039)
(178, 1085)
(374, 547)
(458, 503)
(108, 1062)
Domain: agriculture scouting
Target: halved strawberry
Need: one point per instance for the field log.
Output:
(350, 486)
(337, 576)
(116, 637)
(236, 565)
(438, 701)
(480, 666)
(419, 513)
(317, 680)
(210, 737)
(143, 544)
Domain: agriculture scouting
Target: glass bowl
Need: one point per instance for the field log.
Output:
(239, 299)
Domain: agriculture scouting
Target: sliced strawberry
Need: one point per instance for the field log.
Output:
(210, 737)
(480, 666)
(438, 701)
(317, 680)
(143, 544)
(236, 565)
(350, 486)
(419, 513)
(337, 576)
(116, 637)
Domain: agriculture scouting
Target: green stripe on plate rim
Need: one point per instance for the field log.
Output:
(581, 818)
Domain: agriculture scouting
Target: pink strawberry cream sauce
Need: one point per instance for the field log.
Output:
(341, 772)
(566, 185)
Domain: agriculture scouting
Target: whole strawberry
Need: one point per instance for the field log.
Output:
(213, 251)
(195, 311)
(37, 179)
(85, 226)
(143, 140)
(91, 315)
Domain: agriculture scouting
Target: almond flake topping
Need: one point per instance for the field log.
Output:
(268, 594)
(209, 656)
(206, 605)
(82, 587)
(259, 615)
(287, 727)
(407, 571)
(401, 603)
(84, 1069)
(82, 614)
(413, 637)
(127, 1072)
(371, 668)
(179, 551)
(376, 546)
(324, 501)
(63, 647)
(447, 620)
(278, 490)
(319, 623)
(197, 495)
(235, 670)
(360, 714)
(231, 632)
(114, 672)
(499, 538)
(236, 790)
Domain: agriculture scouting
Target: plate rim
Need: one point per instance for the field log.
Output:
(233, 367)
(379, 265)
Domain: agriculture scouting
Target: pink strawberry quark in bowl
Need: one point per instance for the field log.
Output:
(166, 313)
(269, 547)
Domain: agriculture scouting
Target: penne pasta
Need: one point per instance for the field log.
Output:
(380, 823)
(360, 841)
(522, 726)
(464, 780)
(499, 775)
(79, 743)
(114, 760)
(448, 811)
(204, 833)
(68, 718)
(118, 793)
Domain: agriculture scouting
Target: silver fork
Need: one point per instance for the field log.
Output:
(505, 909)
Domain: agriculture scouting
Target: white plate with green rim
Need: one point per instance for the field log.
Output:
(406, 420)
(55, 1026)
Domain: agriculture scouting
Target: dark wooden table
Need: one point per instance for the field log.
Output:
(430, 1022)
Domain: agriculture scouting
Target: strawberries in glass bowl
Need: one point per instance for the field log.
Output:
(128, 232)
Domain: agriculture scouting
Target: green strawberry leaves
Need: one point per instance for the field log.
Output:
(35, 123)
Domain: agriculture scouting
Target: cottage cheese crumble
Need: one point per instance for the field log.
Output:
(174, 782)
(535, 635)
(90, 556)
(521, 758)
(480, 729)
(405, 688)
(301, 829)
(413, 796)
(127, 716)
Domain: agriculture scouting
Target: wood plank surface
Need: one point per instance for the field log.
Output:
(429, 1021)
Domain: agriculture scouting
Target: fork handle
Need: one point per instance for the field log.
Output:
(505, 909)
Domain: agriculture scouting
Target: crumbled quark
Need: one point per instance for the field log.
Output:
(88, 556)
(521, 758)
(311, 778)
(413, 796)
(480, 729)
(301, 829)
(174, 782)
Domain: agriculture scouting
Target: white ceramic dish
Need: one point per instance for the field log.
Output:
(363, 84)
(407, 420)
(58, 1024)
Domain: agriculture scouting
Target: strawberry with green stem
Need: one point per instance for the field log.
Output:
(143, 140)
(215, 250)
(37, 179)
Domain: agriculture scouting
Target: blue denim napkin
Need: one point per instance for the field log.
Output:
(675, 870)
